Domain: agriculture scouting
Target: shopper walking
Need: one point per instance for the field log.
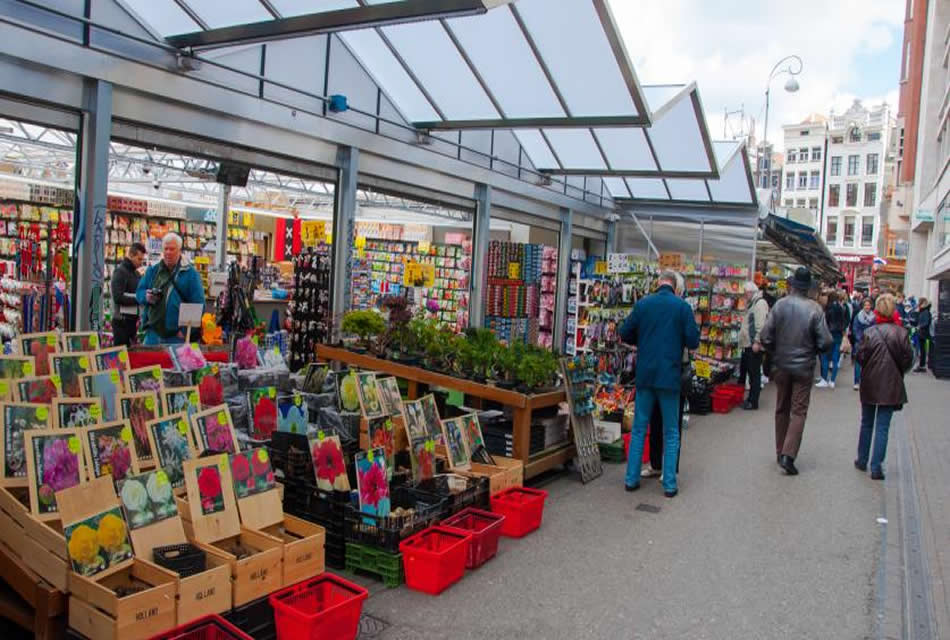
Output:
(795, 333)
(885, 356)
(125, 306)
(861, 323)
(660, 326)
(750, 365)
(837, 323)
(163, 288)
(924, 334)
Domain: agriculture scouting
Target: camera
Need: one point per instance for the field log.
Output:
(156, 293)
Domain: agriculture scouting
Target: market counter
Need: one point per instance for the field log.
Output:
(522, 405)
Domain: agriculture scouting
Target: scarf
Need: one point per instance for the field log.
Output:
(866, 317)
(884, 319)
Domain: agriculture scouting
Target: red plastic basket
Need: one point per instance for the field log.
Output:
(324, 607)
(485, 528)
(736, 391)
(206, 628)
(722, 403)
(522, 508)
(434, 559)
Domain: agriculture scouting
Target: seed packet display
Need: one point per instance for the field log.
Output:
(372, 482)
(98, 542)
(54, 462)
(114, 358)
(292, 414)
(17, 418)
(171, 446)
(473, 432)
(76, 342)
(105, 385)
(210, 386)
(109, 450)
(348, 395)
(147, 498)
(369, 395)
(181, 399)
(139, 409)
(422, 457)
(145, 379)
(214, 430)
(263, 411)
(69, 367)
(74, 413)
(17, 367)
(251, 472)
(389, 395)
(430, 412)
(38, 346)
(41, 390)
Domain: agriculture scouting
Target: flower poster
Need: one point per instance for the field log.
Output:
(210, 387)
(181, 399)
(138, 409)
(389, 395)
(348, 394)
(329, 466)
(372, 482)
(38, 346)
(369, 395)
(109, 450)
(456, 443)
(17, 367)
(292, 414)
(54, 462)
(105, 385)
(147, 498)
(145, 379)
(263, 407)
(81, 341)
(210, 491)
(69, 366)
(251, 472)
(415, 420)
(115, 358)
(18, 417)
(171, 446)
(473, 432)
(430, 412)
(214, 430)
(381, 434)
(422, 457)
(69, 413)
(98, 542)
(42, 389)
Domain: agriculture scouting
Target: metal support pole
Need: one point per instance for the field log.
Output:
(649, 240)
(89, 251)
(702, 232)
(221, 232)
(563, 276)
(611, 237)
(344, 230)
(476, 307)
(755, 247)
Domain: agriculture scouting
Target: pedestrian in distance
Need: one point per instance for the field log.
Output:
(837, 324)
(924, 325)
(751, 363)
(660, 326)
(125, 280)
(165, 285)
(794, 333)
(885, 356)
(861, 323)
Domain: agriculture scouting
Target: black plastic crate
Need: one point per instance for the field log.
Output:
(387, 532)
(184, 559)
(475, 493)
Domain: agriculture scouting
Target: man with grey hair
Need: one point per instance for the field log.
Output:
(660, 326)
(757, 309)
(165, 285)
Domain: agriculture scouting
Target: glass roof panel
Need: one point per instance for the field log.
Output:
(678, 140)
(585, 68)
(164, 16)
(733, 184)
(617, 187)
(658, 95)
(647, 188)
(575, 148)
(626, 148)
(225, 14)
(537, 149)
(688, 189)
(290, 8)
(427, 49)
(724, 150)
(507, 64)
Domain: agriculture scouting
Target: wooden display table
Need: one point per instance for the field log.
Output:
(522, 405)
(42, 609)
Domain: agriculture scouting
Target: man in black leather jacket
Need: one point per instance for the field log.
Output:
(125, 308)
(794, 334)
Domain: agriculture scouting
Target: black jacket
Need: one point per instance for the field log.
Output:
(885, 356)
(795, 333)
(125, 279)
(924, 320)
(836, 318)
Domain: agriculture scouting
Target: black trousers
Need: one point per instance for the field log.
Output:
(124, 330)
(656, 435)
(751, 365)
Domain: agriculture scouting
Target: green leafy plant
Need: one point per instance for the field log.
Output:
(536, 367)
(364, 324)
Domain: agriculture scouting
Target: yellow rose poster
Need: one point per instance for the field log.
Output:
(98, 542)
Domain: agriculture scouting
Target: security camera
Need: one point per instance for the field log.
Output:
(146, 169)
(156, 184)
(612, 217)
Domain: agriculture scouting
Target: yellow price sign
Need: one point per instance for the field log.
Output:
(182, 427)
(600, 268)
(84, 362)
(514, 270)
(93, 341)
(73, 444)
(418, 275)
(28, 368)
(114, 376)
(4, 387)
(703, 369)
(157, 373)
(51, 341)
(126, 434)
(123, 357)
(150, 404)
(96, 411)
(42, 413)
(423, 247)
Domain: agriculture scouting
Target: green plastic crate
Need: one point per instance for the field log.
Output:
(386, 566)
(613, 452)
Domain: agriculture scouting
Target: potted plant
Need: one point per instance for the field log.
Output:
(482, 347)
(506, 365)
(394, 341)
(364, 324)
(536, 369)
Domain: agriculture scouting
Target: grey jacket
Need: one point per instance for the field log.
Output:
(758, 312)
(794, 333)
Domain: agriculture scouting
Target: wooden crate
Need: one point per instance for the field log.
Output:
(303, 548)
(253, 577)
(96, 611)
(504, 474)
(205, 593)
(40, 545)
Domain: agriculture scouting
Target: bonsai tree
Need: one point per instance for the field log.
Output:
(484, 348)
(396, 334)
(364, 324)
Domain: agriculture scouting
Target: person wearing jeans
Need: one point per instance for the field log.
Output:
(862, 321)
(836, 318)
(885, 356)
(751, 363)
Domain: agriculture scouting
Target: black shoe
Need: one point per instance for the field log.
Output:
(877, 475)
(750, 405)
(778, 458)
(671, 494)
(788, 463)
(859, 466)
(631, 488)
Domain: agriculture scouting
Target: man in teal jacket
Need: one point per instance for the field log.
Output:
(660, 326)
(163, 288)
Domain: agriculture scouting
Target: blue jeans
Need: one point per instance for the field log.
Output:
(831, 359)
(880, 428)
(643, 409)
(857, 372)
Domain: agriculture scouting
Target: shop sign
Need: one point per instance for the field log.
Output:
(313, 232)
(849, 258)
(923, 215)
(703, 369)
(418, 275)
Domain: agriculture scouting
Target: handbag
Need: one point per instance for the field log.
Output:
(845, 345)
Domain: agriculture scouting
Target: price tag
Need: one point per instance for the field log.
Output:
(320, 436)
(93, 341)
(703, 370)
(51, 341)
(56, 379)
(193, 398)
(369, 455)
(28, 368)
(123, 357)
(4, 387)
(298, 400)
(150, 404)
(114, 376)
(126, 433)
(256, 341)
(215, 369)
(182, 427)
(222, 417)
(194, 346)
(272, 392)
(430, 445)
(95, 411)
(73, 444)
(223, 464)
(262, 455)
(161, 478)
(42, 413)
(600, 268)
(276, 353)
(84, 362)
(157, 373)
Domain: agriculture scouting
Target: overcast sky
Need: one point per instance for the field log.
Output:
(850, 48)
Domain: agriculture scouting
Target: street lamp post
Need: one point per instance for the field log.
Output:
(793, 68)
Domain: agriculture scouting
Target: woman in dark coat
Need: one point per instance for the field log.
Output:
(924, 322)
(885, 356)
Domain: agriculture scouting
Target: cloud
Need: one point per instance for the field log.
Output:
(729, 47)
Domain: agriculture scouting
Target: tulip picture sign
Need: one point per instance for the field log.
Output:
(96, 532)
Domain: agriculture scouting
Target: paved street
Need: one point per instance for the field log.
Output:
(742, 552)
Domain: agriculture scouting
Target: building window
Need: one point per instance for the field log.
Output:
(802, 180)
(813, 204)
(853, 162)
(836, 165)
(790, 180)
(834, 195)
(815, 154)
(872, 164)
(775, 178)
(792, 156)
(813, 179)
(870, 194)
(803, 132)
(837, 139)
(789, 202)
(801, 203)
(831, 232)
(849, 231)
(867, 231)
(854, 135)
(851, 195)
(873, 137)
(803, 155)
